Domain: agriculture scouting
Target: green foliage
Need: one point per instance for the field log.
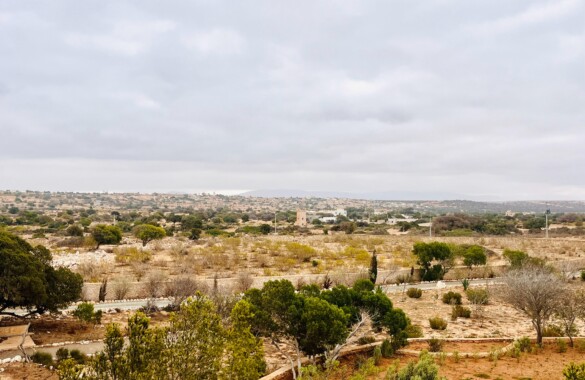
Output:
(437, 323)
(561, 346)
(148, 232)
(62, 354)
(518, 259)
(195, 345)
(373, 270)
(129, 255)
(435, 345)
(377, 355)
(458, 311)
(74, 230)
(523, 344)
(478, 296)
(474, 256)
(29, 281)
(553, 331)
(452, 298)
(386, 349)
(106, 234)
(195, 233)
(414, 293)
(43, 358)
(414, 331)
(583, 275)
(574, 371)
(85, 313)
(424, 369)
(434, 259)
(465, 283)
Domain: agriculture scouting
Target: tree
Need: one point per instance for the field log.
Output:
(474, 255)
(373, 271)
(195, 234)
(29, 281)
(435, 259)
(570, 308)
(75, 230)
(148, 232)
(515, 258)
(106, 234)
(534, 290)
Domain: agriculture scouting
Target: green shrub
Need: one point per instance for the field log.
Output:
(561, 346)
(583, 275)
(438, 323)
(43, 358)
(459, 311)
(386, 349)
(574, 371)
(414, 293)
(580, 346)
(452, 298)
(523, 344)
(465, 283)
(62, 354)
(435, 345)
(85, 313)
(377, 355)
(425, 369)
(78, 356)
(366, 340)
(478, 296)
(414, 331)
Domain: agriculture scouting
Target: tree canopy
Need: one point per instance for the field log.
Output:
(434, 258)
(106, 234)
(29, 281)
(148, 232)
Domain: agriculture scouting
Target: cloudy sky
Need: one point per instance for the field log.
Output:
(480, 99)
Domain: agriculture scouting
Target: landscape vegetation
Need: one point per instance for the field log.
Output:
(233, 288)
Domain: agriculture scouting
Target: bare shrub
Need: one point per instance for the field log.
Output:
(154, 284)
(535, 291)
(139, 270)
(121, 288)
(93, 271)
(181, 288)
(244, 281)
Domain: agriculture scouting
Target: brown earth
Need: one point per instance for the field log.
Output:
(27, 371)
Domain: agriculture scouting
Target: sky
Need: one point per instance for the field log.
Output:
(480, 100)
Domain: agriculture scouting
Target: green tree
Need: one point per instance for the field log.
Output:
(148, 232)
(29, 281)
(74, 230)
(244, 352)
(474, 255)
(435, 259)
(373, 271)
(106, 234)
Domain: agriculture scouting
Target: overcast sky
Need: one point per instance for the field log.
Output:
(480, 99)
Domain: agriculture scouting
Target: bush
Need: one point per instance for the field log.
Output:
(62, 354)
(366, 340)
(43, 358)
(553, 331)
(85, 313)
(128, 255)
(583, 275)
(414, 331)
(438, 323)
(414, 293)
(478, 296)
(78, 356)
(459, 311)
(452, 298)
(377, 355)
(574, 371)
(386, 349)
(435, 345)
(561, 346)
(523, 344)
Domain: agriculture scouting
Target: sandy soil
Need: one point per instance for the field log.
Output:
(27, 371)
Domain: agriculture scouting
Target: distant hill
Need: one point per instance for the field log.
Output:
(377, 196)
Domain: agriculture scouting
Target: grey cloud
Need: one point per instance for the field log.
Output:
(469, 96)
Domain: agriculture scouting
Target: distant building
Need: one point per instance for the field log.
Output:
(510, 213)
(301, 218)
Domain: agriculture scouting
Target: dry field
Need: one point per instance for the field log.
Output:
(307, 258)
